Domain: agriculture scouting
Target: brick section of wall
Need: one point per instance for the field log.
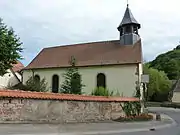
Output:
(56, 111)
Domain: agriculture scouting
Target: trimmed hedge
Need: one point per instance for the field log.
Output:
(171, 105)
(142, 117)
(153, 104)
(163, 104)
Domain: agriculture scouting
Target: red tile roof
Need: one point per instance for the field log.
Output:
(17, 67)
(88, 54)
(53, 96)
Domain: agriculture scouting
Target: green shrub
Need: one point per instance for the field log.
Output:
(131, 108)
(100, 91)
(31, 85)
(163, 104)
(18, 86)
(171, 105)
(118, 94)
(38, 86)
(153, 104)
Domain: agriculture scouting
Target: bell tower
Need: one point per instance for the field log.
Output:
(128, 28)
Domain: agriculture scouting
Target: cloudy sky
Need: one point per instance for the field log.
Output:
(45, 23)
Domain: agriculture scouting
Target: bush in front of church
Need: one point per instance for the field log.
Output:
(31, 85)
(101, 91)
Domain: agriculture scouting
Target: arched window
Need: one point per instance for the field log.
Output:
(55, 83)
(37, 78)
(101, 80)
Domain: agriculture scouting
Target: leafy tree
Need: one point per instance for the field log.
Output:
(158, 85)
(73, 82)
(168, 62)
(172, 69)
(10, 48)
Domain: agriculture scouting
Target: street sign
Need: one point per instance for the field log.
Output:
(145, 78)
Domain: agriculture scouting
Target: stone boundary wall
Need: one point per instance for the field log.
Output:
(38, 107)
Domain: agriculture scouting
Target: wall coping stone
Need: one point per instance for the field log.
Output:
(6, 93)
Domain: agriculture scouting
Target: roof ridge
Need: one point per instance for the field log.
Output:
(59, 96)
(77, 44)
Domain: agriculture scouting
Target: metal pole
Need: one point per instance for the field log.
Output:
(146, 90)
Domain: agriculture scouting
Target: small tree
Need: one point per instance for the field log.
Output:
(159, 85)
(73, 82)
(10, 48)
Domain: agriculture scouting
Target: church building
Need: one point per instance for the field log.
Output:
(115, 64)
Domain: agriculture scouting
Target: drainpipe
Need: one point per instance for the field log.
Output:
(21, 72)
(32, 73)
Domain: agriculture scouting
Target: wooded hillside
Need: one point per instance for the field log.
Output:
(162, 69)
(168, 62)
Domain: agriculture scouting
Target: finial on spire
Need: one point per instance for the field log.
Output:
(127, 3)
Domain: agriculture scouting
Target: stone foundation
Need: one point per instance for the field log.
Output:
(54, 111)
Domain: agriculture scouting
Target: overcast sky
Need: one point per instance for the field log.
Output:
(45, 23)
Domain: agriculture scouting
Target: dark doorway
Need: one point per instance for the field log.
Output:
(55, 83)
(101, 80)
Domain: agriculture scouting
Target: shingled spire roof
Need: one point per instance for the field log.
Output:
(128, 18)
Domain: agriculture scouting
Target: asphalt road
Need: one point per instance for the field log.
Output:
(174, 130)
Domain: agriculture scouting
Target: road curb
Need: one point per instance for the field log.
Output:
(151, 128)
(115, 131)
(165, 117)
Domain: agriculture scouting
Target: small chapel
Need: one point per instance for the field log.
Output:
(115, 64)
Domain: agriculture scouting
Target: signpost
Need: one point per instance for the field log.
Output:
(145, 80)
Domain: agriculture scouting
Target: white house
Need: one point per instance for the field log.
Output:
(13, 76)
(114, 64)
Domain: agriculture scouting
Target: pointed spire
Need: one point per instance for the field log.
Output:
(128, 18)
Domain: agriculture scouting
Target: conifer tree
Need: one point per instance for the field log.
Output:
(72, 79)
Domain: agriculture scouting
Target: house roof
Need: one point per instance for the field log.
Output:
(57, 96)
(17, 67)
(128, 19)
(88, 54)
